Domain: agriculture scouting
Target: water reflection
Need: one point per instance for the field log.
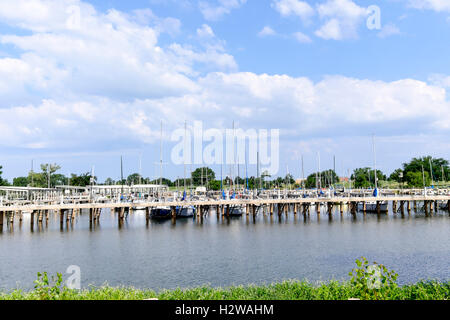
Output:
(221, 250)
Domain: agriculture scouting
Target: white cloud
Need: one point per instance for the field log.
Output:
(219, 9)
(389, 30)
(342, 19)
(302, 38)
(110, 82)
(112, 54)
(266, 31)
(294, 7)
(436, 5)
(205, 31)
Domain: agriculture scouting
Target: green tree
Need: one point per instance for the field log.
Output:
(20, 182)
(439, 166)
(214, 185)
(50, 169)
(81, 180)
(364, 177)
(397, 175)
(165, 182)
(205, 172)
(109, 182)
(327, 178)
(3, 182)
(415, 179)
(134, 178)
(37, 180)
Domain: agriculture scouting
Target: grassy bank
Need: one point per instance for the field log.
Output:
(366, 283)
(288, 290)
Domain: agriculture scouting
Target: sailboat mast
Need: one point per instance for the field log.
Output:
(375, 161)
(184, 156)
(140, 169)
(121, 175)
(160, 161)
(303, 177)
(431, 173)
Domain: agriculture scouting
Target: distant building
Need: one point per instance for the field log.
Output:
(343, 179)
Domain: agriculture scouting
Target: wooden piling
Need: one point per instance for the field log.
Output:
(147, 214)
(1, 218)
(415, 206)
(394, 206)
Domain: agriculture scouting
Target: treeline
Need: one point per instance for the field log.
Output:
(419, 172)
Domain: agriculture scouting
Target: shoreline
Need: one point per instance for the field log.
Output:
(285, 290)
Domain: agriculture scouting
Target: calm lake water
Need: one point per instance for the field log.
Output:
(224, 252)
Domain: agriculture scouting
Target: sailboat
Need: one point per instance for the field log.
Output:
(372, 206)
(161, 212)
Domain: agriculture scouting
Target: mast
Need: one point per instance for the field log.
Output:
(375, 162)
(140, 169)
(121, 175)
(160, 162)
(334, 169)
(234, 156)
(185, 135)
(257, 165)
(303, 177)
(32, 173)
(320, 175)
(431, 172)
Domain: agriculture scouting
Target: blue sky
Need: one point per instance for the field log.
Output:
(82, 89)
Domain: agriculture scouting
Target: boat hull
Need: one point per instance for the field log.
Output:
(185, 212)
(371, 207)
(161, 214)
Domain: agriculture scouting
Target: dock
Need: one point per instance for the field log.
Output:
(303, 206)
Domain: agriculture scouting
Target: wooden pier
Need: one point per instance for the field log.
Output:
(66, 212)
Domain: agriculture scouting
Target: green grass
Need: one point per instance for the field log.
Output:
(287, 290)
(367, 282)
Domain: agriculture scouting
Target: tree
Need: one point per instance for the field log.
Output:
(396, 175)
(20, 182)
(205, 172)
(439, 166)
(327, 178)
(3, 182)
(81, 180)
(165, 182)
(49, 169)
(134, 178)
(109, 182)
(415, 179)
(214, 185)
(365, 177)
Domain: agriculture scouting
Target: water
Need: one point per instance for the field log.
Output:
(223, 252)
